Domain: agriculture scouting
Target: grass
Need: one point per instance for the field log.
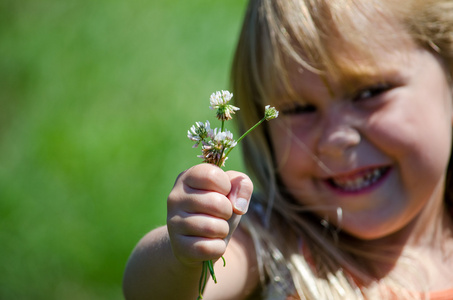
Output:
(95, 101)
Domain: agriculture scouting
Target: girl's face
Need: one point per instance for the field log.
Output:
(378, 151)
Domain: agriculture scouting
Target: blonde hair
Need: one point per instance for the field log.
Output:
(318, 35)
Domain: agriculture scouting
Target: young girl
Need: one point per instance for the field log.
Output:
(353, 182)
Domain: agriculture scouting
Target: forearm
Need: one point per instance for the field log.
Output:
(153, 272)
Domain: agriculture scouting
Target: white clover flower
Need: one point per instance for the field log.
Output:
(213, 150)
(199, 132)
(219, 101)
(225, 138)
(270, 113)
(213, 153)
(220, 98)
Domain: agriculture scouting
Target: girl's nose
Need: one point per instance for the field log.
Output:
(336, 138)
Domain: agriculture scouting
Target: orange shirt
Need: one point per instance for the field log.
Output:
(437, 295)
(442, 295)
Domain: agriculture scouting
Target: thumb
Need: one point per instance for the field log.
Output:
(241, 191)
(240, 194)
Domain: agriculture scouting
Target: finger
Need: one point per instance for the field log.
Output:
(207, 177)
(241, 191)
(200, 225)
(199, 202)
(192, 249)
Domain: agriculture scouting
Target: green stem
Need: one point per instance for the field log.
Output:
(211, 270)
(203, 280)
(208, 268)
(245, 134)
(219, 163)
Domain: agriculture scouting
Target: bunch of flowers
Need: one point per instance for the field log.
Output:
(216, 144)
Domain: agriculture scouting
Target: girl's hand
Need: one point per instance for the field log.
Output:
(203, 210)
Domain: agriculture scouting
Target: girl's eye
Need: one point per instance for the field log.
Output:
(371, 92)
(298, 109)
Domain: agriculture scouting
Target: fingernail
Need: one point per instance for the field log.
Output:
(241, 205)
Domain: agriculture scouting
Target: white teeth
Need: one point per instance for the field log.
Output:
(358, 183)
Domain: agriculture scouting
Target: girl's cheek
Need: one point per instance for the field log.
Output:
(293, 145)
(404, 124)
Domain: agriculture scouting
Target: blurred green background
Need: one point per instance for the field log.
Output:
(96, 98)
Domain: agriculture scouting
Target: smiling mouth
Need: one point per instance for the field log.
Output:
(358, 182)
